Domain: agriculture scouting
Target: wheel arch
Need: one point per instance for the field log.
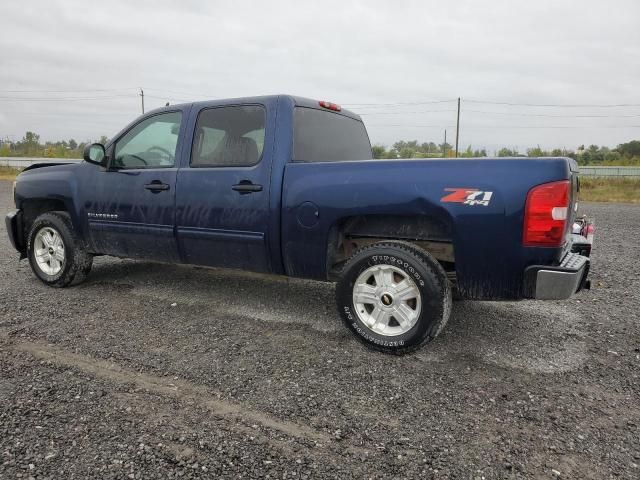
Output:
(349, 234)
(32, 208)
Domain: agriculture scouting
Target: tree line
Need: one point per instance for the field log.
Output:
(30, 146)
(624, 154)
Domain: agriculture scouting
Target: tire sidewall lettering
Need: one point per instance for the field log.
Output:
(377, 341)
(392, 260)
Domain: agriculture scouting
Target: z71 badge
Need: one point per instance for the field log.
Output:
(468, 196)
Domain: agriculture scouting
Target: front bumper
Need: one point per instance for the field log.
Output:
(14, 223)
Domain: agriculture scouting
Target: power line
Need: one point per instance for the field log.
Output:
(560, 105)
(70, 91)
(507, 126)
(555, 126)
(56, 99)
(166, 98)
(501, 113)
(368, 105)
(552, 116)
(403, 113)
(188, 94)
(411, 126)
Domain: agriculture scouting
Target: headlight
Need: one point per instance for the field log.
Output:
(15, 204)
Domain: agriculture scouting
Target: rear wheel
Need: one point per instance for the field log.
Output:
(394, 296)
(56, 255)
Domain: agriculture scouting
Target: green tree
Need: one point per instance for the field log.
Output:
(507, 152)
(407, 152)
(31, 138)
(629, 149)
(379, 151)
(536, 152)
(480, 153)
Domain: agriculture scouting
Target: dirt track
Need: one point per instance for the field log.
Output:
(255, 376)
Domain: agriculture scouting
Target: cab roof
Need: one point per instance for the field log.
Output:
(295, 101)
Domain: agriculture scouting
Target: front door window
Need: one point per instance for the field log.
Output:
(150, 144)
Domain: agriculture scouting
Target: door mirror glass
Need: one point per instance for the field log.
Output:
(94, 153)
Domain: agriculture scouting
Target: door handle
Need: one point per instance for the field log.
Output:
(156, 186)
(246, 186)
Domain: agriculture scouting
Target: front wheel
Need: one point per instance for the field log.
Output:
(394, 296)
(56, 255)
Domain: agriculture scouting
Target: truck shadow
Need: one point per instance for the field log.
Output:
(539, 337)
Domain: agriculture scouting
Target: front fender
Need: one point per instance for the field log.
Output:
(52, 187)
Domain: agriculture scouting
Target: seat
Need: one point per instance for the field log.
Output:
(234, 151)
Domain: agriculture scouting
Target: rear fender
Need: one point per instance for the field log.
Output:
(352, 233)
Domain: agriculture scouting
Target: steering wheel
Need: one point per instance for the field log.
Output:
(119, 161)
(138, 158)
(161, 150)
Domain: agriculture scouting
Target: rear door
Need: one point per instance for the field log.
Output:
(131, 206)
(223, 193)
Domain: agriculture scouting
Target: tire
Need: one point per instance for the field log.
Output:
(65, 259)
(398, 279)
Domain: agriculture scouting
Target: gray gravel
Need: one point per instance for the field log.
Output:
(254, 376)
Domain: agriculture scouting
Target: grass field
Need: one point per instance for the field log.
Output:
(600, 189)
(8, 173)
(594, 189)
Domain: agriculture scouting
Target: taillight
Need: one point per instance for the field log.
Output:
(545, 215)
(330, 106)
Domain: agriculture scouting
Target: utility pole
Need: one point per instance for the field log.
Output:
(457, 127)
(142, 98)
(444, 145)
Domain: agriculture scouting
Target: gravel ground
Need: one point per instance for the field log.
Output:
(253, 376)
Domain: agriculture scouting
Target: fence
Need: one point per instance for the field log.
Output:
(610, 171)
(22, 162)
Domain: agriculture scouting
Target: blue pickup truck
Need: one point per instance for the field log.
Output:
(288, 186)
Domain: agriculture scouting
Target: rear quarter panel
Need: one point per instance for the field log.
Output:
(487, 240)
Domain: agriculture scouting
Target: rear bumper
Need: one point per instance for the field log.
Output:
(13, 222)
(560, 282)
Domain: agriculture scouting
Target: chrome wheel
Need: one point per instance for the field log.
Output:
(387, 300)
(48, 250)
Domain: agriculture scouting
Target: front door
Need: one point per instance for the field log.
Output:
(132, 208)
(223, 194)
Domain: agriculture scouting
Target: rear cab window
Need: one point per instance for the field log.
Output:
(325, 136)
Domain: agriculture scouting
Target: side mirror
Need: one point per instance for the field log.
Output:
(94, 153)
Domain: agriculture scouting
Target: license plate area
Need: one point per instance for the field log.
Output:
(582, 233)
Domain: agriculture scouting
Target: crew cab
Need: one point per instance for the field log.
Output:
(288, 186)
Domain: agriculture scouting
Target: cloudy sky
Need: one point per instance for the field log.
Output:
(73, 69)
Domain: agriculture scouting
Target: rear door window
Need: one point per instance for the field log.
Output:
(322, 136)
(229, 137)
